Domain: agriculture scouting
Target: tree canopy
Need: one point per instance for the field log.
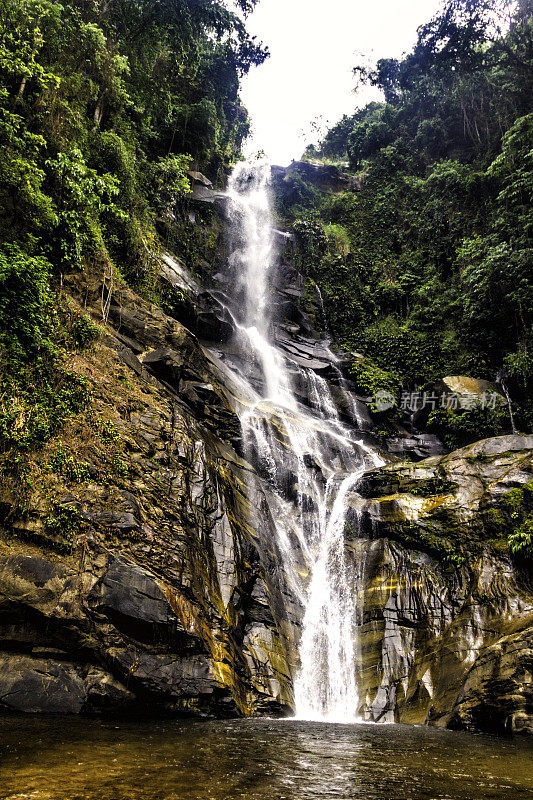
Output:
(438, 274)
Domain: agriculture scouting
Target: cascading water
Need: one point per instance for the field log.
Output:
(307, 458)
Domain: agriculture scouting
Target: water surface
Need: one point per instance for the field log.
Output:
(73, 759)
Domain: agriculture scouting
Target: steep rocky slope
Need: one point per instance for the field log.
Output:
(139, 577)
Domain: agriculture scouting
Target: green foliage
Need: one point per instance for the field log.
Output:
(118, 467)
(457, 429)
(370, 379)
(296, 198)
(37, 393)
(84, 331)
(426, 267)
(105, 429)
(21, 38)
(521, 540)
(517, 504)
(169, 182)
(81, 193)
(62, 525)
(431, 488)
(338, 239)
(100, 121)
(431, 538)
(513, 169)
(311, 240)
(36, 404)
(417, 356)
(370, 134)
(73, 471)
(25, 306)
(195, 244)
(110, 154)
(519, 364)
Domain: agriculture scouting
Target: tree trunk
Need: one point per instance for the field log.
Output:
(21, 88)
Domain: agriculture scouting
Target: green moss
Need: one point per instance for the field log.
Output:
(481, 458)
(308, 301)
(84, 331)
(17, 483)
(105, 429)
(430, 538)
(117, 469)
(513, 503)
(431, 487)
(173, 301)
(495, 521)
(371, 379)
(36, 403)
(484, 599)
(196, 244)
(512, 520)
(458, 429)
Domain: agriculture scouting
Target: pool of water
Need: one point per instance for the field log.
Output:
(73, 759)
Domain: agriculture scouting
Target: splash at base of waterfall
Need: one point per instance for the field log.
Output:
(326, 687)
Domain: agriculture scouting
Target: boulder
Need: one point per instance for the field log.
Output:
(417, 447)
(131, 592)
(471, 391)
(198, 178)
(326, 177)
(34, 685)
(45, 686)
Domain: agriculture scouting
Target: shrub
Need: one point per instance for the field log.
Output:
(25, 305)
(64, 524)
(459, 429)
(84, 331)
(371, 379)
(521, 540)
(37, 403)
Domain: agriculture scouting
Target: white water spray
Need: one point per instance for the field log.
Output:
(308, 459)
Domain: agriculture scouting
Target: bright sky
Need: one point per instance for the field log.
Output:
(314, 45)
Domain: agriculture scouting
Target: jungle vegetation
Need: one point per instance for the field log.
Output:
(104, 107)
(426, 265)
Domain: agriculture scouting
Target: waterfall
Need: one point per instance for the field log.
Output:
(308, 460)
(500, 378)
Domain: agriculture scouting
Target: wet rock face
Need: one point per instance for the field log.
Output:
(416, 447)
(171, 599)
(168, 600)
(446, 625)
(498, 692)
(50, 686)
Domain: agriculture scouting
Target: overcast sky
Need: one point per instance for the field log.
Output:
(314, 45)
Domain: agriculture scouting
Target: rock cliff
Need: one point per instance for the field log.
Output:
(447, 625)
(139, 579)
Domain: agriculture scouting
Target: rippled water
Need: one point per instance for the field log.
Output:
(72, 759)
